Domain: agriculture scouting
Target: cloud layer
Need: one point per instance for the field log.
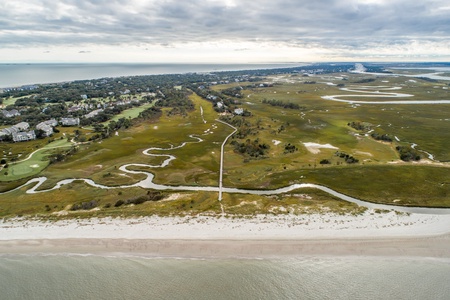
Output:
(331, 28)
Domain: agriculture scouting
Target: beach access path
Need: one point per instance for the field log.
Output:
(222, 157)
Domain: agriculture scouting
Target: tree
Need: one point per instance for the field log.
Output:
(40, 134)
(324, 162)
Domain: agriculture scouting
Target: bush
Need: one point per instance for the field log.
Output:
(85, 205)
(324, 162)
(288, 148)
(119, 203)
(151, 196)
(407, 153)
(381, 137)
(251, 148)
(348, 158)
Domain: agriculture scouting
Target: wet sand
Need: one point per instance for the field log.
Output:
(435, 247)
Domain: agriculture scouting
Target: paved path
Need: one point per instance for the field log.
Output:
(221, 157)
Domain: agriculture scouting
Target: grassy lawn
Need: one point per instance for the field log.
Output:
(130, 113)
(12, 100)
(33, 165)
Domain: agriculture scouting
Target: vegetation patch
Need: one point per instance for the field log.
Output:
(408, 153)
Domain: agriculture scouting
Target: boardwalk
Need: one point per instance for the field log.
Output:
(221, 157)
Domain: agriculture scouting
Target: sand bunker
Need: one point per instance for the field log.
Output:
(315, 148)
(275, 142)
(34, 166)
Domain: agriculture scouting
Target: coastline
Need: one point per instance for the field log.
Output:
(426, 247)
(261, 236)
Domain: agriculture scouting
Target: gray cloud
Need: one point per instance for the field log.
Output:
(327, 23)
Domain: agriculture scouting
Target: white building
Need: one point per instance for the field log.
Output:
(10, 113)
(24, 136)
(239, 111)
(70, 121)
(93, 113)
(47, 126)
(22, 126)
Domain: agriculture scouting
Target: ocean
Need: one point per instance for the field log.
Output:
(13, 75)
(120, 277)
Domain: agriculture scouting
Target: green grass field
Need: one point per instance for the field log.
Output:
(12, 100)
(34, 163)
(130, 113)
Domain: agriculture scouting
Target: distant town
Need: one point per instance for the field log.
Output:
(36, 110)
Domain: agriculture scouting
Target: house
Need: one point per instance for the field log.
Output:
(10, 114)
(47, 126)
(73, 108)
(28, 87)
(48, 130)
(10, 130)
(24, 136)
(239, 111)
(93, 113)
(70, 121)
(51, 122)
(22, 126)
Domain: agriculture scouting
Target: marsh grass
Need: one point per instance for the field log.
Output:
(375, 178)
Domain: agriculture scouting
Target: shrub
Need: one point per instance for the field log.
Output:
(119, 203)
(85, 205)
(325, 162)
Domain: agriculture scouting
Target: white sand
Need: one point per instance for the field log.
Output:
(370, 234)
(309, 226)
(314, 147)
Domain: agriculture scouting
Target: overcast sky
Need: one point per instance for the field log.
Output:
(224, 30)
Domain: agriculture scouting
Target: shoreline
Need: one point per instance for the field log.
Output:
(261, 236)
(436, 247)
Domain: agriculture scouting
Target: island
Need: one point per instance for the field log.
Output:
(311, 156)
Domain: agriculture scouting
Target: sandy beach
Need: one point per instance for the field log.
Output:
(369, 234)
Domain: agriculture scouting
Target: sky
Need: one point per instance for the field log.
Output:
(224, 31)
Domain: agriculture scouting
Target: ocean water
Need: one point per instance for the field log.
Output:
(12, 75)
(120, 277)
